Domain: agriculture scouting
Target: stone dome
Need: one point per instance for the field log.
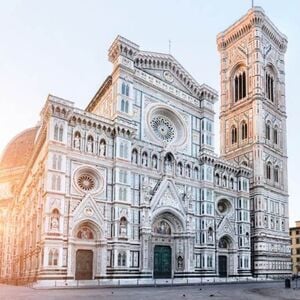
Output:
(19, 150)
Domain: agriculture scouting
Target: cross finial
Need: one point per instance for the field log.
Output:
(252, 3)
(170, 46)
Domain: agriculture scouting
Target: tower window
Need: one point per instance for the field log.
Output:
(268, 131)
(275, 136)
(270, 87)
(240, 86)
(268, 171)
(276, 174)
(233, 135)
(124, 106)
(244, 130)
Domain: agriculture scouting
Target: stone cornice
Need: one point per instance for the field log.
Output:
(255, 18)
(102, 90)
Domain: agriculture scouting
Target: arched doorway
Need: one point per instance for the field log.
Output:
(168, 249)
(224, 246)
(85, 239)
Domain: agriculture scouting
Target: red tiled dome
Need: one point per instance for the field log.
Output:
(18, 151)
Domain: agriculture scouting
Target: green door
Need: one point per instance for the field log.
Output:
(222, 266)
(162, 262)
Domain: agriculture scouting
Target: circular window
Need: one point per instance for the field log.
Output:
(224, 206)
(88, 180)
(166, 126)
(163, 128)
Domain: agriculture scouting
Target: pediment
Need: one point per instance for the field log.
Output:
(168, 69)
(167, 77)
(88, 210)
(225, 227)
(167, 197)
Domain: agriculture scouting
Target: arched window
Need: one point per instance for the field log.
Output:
(54, 161)
(123, 227)
(53, 182)
(58, 183)
(269, 86)
(61, 133)
(244, 129)
(59, 159)
(268, 131)
(134, 156)
(268, 170)
(224, 181)
(56, 132)
(127, 90)
(217, 179)
(275, 135)
(122, 105)
(196, 173)
(123, 88)
(276, 174)
(126, 106)
(53, 257)
(122, 259)
(239, 85)
(233, 135)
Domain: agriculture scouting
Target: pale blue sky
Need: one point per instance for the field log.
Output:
(60, 47)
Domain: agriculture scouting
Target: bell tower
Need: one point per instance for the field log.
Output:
(253, 130)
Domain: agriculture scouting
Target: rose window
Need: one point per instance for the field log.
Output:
(166, 126)
(163, 128)
(86, 182)
(224, 206)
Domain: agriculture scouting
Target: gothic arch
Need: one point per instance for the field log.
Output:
(173, 218)
(95, 228)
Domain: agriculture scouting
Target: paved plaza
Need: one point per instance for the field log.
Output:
(257, 291)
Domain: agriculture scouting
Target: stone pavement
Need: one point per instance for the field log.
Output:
(241, 291)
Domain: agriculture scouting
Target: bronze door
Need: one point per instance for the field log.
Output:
(223, 266)
(162, 262)
(84, 265)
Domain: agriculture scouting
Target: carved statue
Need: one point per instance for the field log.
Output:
(54, 223)
(77, 142)
(90, 146)
(102, 148)
(146, 189)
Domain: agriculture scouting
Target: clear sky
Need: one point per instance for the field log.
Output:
(60, 47)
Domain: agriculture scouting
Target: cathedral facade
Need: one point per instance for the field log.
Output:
(130, 186)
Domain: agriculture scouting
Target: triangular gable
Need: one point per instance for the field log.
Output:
(88, 210)
(154, 61)
(225, 227)
(167, 196)
(161, 74)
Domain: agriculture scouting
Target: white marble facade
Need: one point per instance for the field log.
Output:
(135, 173)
